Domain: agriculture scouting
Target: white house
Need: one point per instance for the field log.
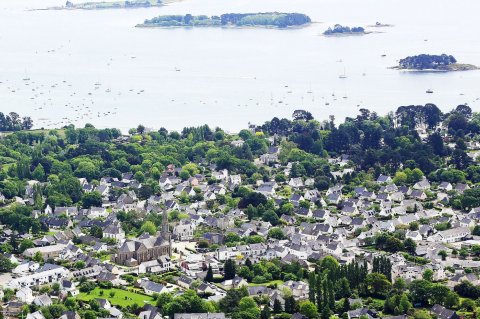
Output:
(183, 232)
(47, 274)
(450, 235)
(25, 295)
(162, 264)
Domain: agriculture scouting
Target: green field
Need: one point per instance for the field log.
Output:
(122, 298)
(268, 283)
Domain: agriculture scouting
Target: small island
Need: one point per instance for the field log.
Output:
(344, 30)
(380, 25)
(427, 62)
(108, 5)
(269, 19)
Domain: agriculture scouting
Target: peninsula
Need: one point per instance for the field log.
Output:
(427, 62)
(341, 30)
(108, 5)
(268, 19)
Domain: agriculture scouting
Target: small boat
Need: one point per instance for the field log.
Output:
(429, 91)
(343, 76)
(384, 55)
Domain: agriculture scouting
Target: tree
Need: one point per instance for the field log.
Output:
(229, 269)
(86, 169)
(405, 305)
(308, 309)
(326, 313)
(470, 198)
(428, 275)
(38, 257)
(270, 216)
(92, 199)
(265, 314)
(302, 115)
(163, 299)
(420, 291)
(25, 244)
(377, 285)
(140, 129)
(39, 173)
(343, 288)
(209, 275)
(410, 246)
(311, 286)
(96, 231)
(277, 306)
(5, 264)
(148, 227)
(468, 305)
(443, 254)
(248, 305)
(290, 304)
(276, 232)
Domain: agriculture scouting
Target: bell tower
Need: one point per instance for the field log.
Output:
(165, 232)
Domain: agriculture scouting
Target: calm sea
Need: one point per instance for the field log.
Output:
(95, 67)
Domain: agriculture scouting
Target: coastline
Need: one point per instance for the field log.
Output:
(347, 34)
(457, 67)
(386, 25)
(153, 26)
(111, 6)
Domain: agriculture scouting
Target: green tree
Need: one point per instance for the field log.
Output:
(290, 304)
(308, 309)
(277, 306)
(5, 264)
(209, 275)
(248, 305)
(148, 227)
(91, 199)
(265, 314)
(276, 232)
(25, 244)
(96, 231)
(38, 257)
(377, 285)
(405, 305)
(443, 254)
(428, 275)
(39, 173)
(229, 269)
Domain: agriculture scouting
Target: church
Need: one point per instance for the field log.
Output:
(133, 252)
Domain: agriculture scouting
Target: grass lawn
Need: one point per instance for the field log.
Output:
(105, 257)
(119, 298)
(273, 282)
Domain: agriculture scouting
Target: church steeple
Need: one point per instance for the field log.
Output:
(165, 227)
